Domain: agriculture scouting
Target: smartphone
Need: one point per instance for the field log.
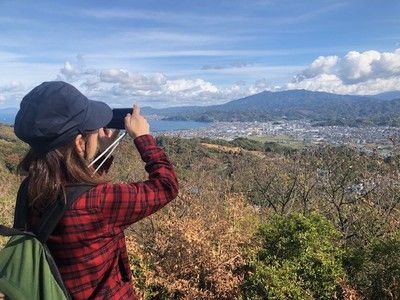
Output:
(117, 121)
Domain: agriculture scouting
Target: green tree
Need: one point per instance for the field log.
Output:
(375, 268)
(298, 258)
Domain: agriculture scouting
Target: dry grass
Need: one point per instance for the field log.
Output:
(9, 184)
(194, 247)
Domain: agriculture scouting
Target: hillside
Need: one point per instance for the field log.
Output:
(388, 95)
(321, 107)
(257, 218)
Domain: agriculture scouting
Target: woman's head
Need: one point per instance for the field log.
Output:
(54, 113)
(61, 126)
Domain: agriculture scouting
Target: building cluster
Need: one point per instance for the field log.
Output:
(374, 137)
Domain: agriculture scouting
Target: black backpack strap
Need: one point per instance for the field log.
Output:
(57, 210)
(21, 205)
(20, 211)
(8, 231)
(53, 215)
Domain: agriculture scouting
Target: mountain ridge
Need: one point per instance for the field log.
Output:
(321, 107)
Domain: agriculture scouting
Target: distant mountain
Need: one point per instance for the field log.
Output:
(388, 95)
(321, 107)
(7, 115)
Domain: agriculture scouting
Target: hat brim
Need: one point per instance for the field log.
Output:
(99, 114)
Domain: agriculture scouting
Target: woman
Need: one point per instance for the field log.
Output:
(65, 131)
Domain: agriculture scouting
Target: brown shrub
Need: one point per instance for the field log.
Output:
(348, 293)
(193, 249)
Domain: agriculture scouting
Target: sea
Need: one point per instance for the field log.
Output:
(156, 126)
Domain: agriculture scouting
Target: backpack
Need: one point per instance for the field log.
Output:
(27, 269)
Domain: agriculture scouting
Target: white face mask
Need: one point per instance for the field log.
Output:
(110, 149)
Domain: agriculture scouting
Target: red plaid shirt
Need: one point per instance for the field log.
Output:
(88, 244)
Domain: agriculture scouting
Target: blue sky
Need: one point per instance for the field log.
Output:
(169, 52)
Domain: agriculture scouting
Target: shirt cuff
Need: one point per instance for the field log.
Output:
(143, 142)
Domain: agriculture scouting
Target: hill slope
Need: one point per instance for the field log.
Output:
(326, 108)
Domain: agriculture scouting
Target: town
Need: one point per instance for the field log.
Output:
(381, 138)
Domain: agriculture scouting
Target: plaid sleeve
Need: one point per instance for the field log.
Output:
(125, 204)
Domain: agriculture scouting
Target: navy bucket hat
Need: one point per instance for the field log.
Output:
(53, 113)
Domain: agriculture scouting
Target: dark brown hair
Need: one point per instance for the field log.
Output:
(49, 173)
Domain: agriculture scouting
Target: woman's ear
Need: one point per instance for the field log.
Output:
(80, 145)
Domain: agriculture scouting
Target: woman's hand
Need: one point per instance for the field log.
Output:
(106, 137)
(135, 124)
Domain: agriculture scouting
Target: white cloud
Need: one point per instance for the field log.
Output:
(14, 86)
(69, 71)
(388, 64)
(121, 86)
(356, 73)
(72, 71)
(114, 76)
(323, 64)
(11, 93)
(367, 72)
(357, 67)
(259, 86)
(321, 82)
(190, 86)
(126, 82)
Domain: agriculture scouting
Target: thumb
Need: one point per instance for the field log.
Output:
(136, 110)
